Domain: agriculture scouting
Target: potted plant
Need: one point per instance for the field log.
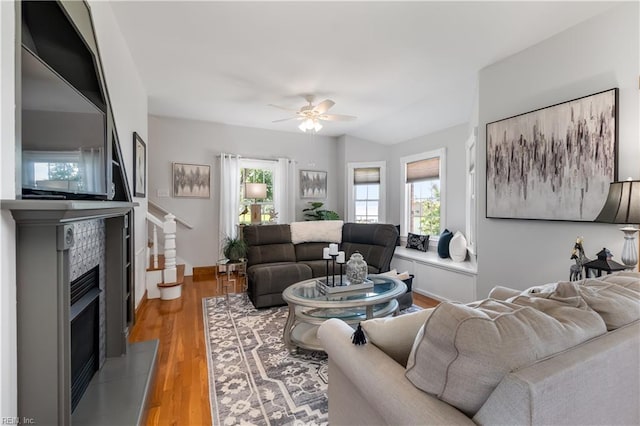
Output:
(234, 248)
(316, 213)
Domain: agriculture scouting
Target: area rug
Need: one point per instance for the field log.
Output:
(253, 379)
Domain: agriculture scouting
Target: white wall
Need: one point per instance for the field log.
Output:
(596, 55)
(129, 104)
(8, 356)
(130, 107)
(453, 140)
(199, 142)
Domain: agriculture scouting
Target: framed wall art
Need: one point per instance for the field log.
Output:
(140, 166)
(554, 163)
(313, 184)
(191, 180)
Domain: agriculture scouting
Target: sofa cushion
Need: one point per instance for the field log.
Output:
(616, 304)
(626, 279)
(373, 255)
(310, 251)
(395, 335)
(274, 278)
(256, 235)
(316, 231)
(463, 351)
(319, 267)
(271, 253)
(380, 234)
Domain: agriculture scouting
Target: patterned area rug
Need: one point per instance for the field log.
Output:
(253, 379)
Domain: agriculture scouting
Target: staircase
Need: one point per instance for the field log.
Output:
(164, 276)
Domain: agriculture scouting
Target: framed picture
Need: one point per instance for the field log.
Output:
(313, 184)
(191, 180)
(140, 166)
(554, 163)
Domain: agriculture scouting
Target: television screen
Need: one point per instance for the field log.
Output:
(63, 137)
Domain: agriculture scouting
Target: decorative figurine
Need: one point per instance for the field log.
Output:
(575, 271)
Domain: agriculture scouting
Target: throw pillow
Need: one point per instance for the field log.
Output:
(628, 280)
(464, 351)
(616, 304)
(417, 242)
(395, 335)
(443, 243)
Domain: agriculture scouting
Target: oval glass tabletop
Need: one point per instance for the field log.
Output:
(307, 293)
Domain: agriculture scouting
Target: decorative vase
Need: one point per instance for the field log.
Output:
(356, 269)
(458, 247)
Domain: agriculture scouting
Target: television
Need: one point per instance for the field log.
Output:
(65, 149)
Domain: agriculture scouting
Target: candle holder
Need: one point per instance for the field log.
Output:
(336, 257)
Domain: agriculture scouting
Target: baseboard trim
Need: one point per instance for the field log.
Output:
(143, 300)
(204, 273)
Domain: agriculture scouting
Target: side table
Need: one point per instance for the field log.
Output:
(231, 269)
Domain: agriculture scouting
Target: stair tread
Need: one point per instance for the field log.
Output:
(160, 263)
(180, 278)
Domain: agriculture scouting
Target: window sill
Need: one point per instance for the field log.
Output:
(468, 267)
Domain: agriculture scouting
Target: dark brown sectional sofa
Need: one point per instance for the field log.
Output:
(274, 262)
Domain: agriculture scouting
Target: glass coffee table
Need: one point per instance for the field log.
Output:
(308, 308)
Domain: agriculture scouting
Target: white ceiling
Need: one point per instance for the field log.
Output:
(405, 69)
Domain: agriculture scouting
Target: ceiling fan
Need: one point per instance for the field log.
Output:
(311, 115)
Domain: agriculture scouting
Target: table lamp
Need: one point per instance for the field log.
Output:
(255, 191)
(623, 207)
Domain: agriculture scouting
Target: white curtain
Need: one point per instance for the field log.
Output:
(229, 195)
(91, 169)
(285, 191)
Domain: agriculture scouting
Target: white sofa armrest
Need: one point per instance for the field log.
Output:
(380, 381)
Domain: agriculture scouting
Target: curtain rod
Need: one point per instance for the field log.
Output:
(259, 158)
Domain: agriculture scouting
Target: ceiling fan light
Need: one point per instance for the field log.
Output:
(308, 123)
(303, 126)
(317, 126)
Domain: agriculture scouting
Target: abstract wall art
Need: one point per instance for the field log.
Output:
(553, 163)
(191, 180)
(313, 184)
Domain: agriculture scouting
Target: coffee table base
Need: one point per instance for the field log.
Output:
(300, 329)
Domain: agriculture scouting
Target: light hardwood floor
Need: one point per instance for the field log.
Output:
(180, 395)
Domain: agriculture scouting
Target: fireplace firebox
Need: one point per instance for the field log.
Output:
(85, 332)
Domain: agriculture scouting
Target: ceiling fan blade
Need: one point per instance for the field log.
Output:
(324, 106)
(337, 117)
(284, 108)
(284, 119)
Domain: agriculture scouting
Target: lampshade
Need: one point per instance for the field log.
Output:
(255, 190)
(623, 203)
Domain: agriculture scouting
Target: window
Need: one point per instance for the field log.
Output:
(256, 171)
(423, 193)
(471, 192)
(366, 192)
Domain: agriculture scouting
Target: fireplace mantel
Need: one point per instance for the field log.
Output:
(53, 244)
(62, 211)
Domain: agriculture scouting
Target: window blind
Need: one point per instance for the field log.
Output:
(423, 169)
(366, 175)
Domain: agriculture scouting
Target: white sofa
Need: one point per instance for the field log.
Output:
(595, 382)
